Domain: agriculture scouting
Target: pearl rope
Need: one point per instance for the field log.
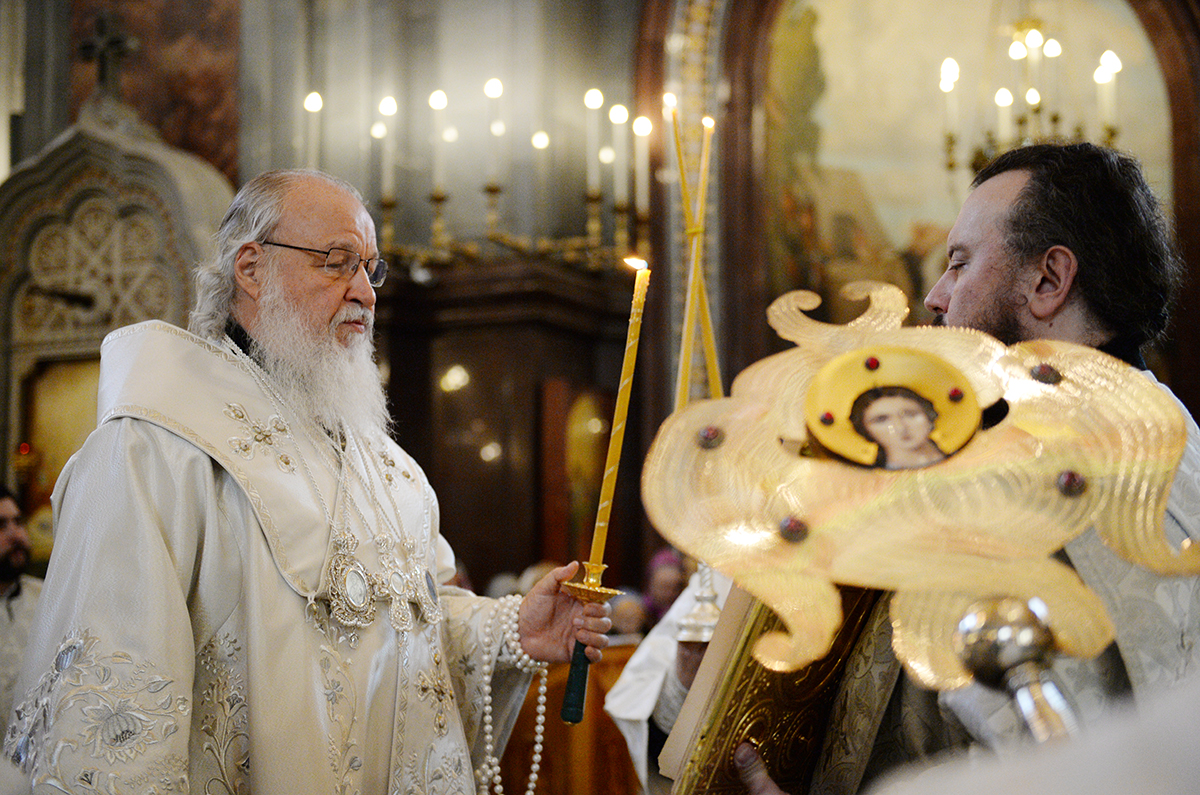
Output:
(489, 772)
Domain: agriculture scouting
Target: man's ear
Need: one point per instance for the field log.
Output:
(248, 269)
(1054, 277)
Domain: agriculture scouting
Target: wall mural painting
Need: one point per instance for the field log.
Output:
(824, 230)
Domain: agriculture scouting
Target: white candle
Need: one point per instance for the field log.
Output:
(313, 104)
(948, 78)
(641, 169)
(494, 89)
(1004, 120)
(1106, 87)
(593, 100)
(438, 102)
(618, 115)
(387, 158)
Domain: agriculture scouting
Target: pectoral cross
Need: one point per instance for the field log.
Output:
(107, 48)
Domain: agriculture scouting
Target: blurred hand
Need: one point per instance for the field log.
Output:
(687, 661)
(753, 772)
(550, 620)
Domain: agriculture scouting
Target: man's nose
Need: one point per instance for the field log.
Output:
(360, 289)
(936, 300)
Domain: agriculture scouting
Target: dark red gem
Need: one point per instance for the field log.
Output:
(1046, 374)
(956, 395)
(872, 363)
(827, 419)
(1071, 483)
(793, 530)
(711, 437)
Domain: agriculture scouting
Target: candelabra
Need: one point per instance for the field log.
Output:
(587, 251)
(1026, 114)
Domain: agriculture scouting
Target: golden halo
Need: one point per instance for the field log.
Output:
(839, 383)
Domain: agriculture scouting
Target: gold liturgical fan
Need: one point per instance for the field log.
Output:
(933, 462)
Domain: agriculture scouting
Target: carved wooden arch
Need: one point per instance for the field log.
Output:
(1173, 28)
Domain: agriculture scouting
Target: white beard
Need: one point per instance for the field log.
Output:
(337, 386)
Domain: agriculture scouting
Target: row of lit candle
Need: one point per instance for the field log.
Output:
(615, 154)
(1031, 48)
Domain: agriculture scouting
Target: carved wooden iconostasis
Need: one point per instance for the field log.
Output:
(99, 235)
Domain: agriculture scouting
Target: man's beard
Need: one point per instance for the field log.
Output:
(999, 318)
(14, 563)
(337, 386)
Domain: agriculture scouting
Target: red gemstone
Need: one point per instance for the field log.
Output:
(872, 363)
(827, 419)
(956, 394)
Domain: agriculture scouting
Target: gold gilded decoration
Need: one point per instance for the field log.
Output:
(783, 714)
(260, 436)
(982, 522)
(828, 407)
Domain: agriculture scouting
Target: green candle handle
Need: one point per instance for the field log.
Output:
(573, 698)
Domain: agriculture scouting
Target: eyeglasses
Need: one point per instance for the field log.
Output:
(342, 263)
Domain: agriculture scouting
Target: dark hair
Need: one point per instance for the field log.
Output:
(5, 493)
(864, 401)
(1096, 202)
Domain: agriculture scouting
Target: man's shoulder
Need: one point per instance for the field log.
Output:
(31, 587)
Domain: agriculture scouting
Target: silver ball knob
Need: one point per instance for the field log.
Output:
(998, 634)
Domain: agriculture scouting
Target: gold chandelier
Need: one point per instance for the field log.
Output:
(1026, 104)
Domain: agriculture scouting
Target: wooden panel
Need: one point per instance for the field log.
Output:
(590, 758)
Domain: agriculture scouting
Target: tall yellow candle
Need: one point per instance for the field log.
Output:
(672, 108)
(617, 437)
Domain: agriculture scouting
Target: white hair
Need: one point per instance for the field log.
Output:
(252, 216)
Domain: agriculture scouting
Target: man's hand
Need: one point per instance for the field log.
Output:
(753, 772)
(550, 621)
(687, 661)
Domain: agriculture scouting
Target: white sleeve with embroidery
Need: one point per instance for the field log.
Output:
(105, 695)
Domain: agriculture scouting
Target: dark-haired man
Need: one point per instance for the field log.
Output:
(1061, 242)
(19, 593)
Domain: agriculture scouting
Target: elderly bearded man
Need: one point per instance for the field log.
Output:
(244, 589)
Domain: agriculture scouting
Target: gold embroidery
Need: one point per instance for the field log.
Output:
(261, 435)
(432, 686)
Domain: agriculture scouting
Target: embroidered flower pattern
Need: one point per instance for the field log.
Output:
(260, 435)
(122, 708)
(225, 714)
(390, 468)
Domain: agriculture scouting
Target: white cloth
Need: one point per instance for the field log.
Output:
(186, 635)
(1153, 750)
(631, 700)
(16, 619)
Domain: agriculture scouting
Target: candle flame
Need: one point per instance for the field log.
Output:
(437, 100)
(642, 126)
(669, 100)
(313, 103)
(593, 99)
(637, 263)
(618, 114)
(709, 122)
(493, 88)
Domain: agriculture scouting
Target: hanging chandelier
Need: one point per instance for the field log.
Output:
(1023, 102)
